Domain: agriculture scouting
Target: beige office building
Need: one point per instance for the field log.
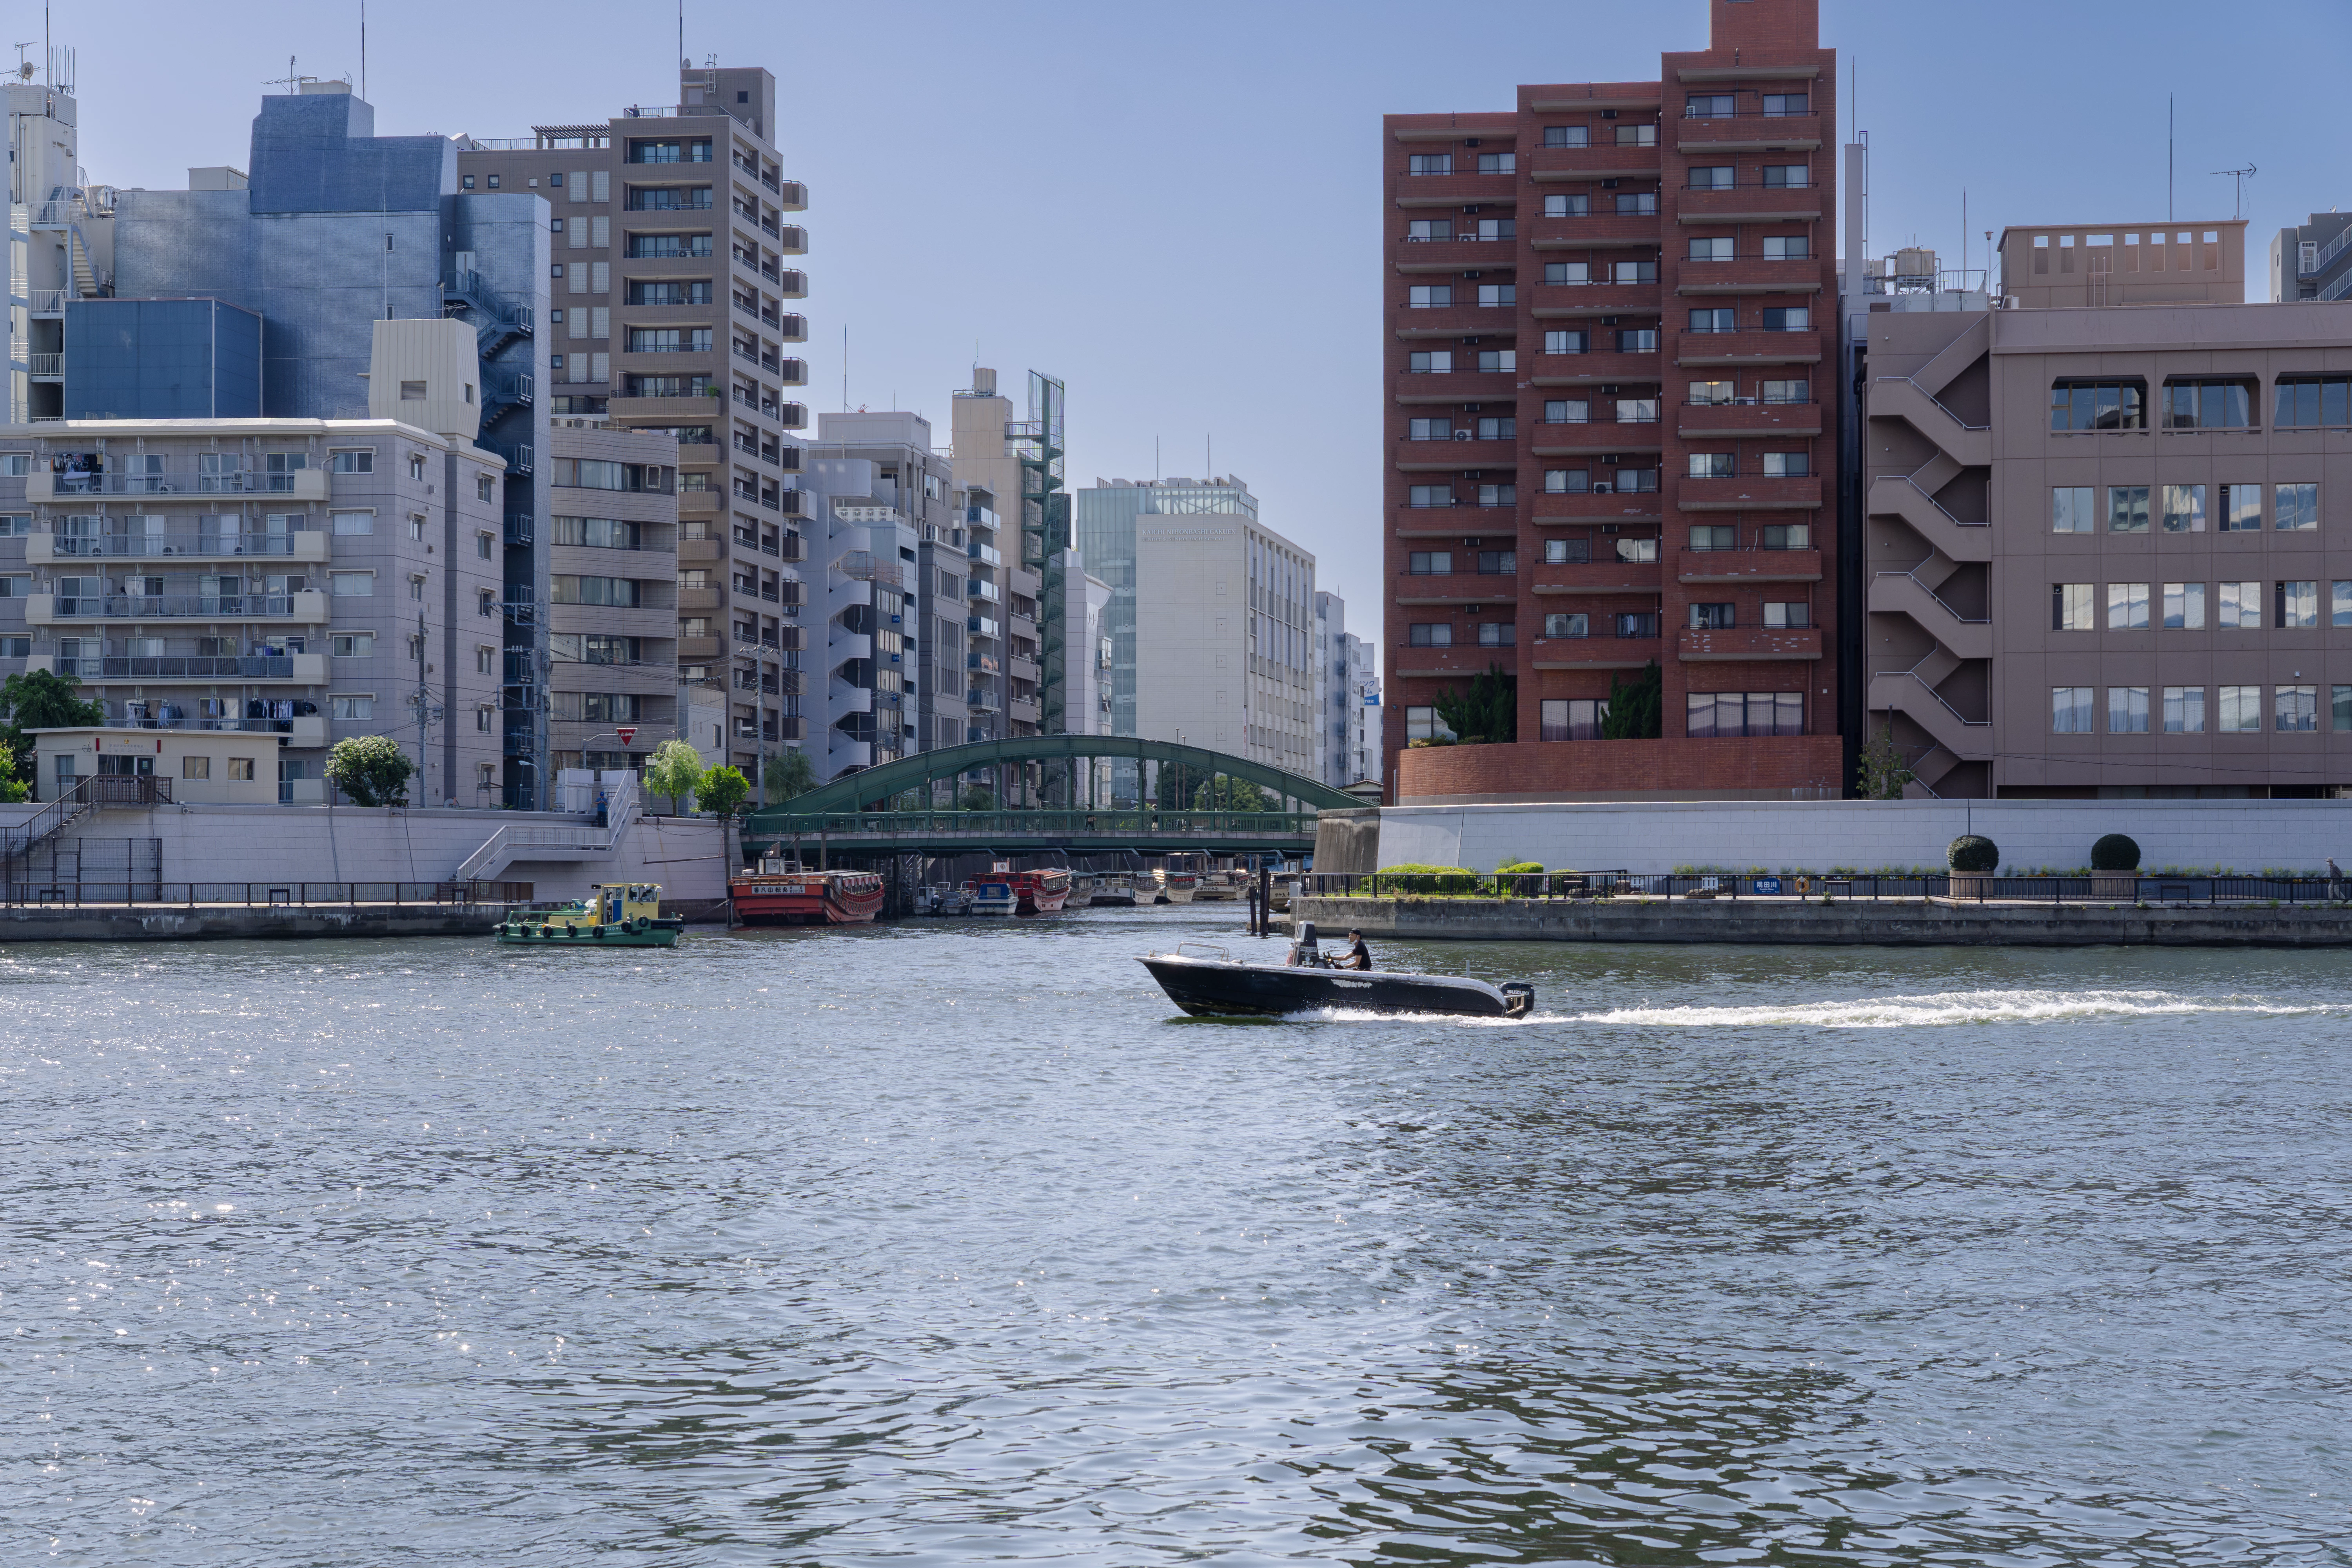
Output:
(2110, 538)
(611, 683)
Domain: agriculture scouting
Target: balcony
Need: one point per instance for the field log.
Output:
(1598, 506)
(1601, 651)
(1453, 190)
(298, 670)
(1458, 663)
(1557, 165)
(1568, 301)
(983, 626)
(790, 283)
(1455, 588)
(1448, 521)
(1747, 203)
(1733, 350)
(1600, 231)
(1735, 566)
(1586, 369)
(43, 485)
(1428, 388)
(47, 609)
(788, 327)
(1446, 324)
(1458, 252)
(1746, 645)
(1585, 580)
(791, 195)
(1746, 418)
(1748, 133)
(1749, 275)
(1452, 456)
(700, 601)
(1598, 437)
(1748, 493)
(307, 546)
(791, 239)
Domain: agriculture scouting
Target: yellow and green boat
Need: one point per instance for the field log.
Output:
(614, 914)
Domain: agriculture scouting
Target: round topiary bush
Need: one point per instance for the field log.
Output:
(2115, 852)
(1973, 852)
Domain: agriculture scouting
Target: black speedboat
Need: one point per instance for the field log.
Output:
(1207, 982)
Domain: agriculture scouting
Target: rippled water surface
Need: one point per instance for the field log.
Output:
(947, 1244)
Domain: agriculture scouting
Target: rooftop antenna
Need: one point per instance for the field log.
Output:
(2241, 176)
(2169, 159)
(289, 80)
(684, 63)
(363, 49)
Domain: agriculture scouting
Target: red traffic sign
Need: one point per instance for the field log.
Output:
(626, 735)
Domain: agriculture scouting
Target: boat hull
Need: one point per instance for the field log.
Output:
(1211, 988)
(807, 898)
(520, 933)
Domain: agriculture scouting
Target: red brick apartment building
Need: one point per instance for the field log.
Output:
(1610, 331)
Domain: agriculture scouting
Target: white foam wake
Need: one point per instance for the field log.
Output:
(1949, 1008)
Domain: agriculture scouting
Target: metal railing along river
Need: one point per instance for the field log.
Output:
(2099, 888)
(258, 895)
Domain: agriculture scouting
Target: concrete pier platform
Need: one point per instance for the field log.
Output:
(221, 922)
(1934, 922)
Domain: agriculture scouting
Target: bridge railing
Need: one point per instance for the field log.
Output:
(1056, 824)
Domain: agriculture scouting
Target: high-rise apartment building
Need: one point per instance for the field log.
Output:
(613, 695)
(1332, 678)
(667, 291)
(2313, 260)
(1606, 316)
(1363, 758)
(1013, 470)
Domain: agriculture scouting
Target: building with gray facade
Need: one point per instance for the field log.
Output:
(2313, 260)
(613, 692)
(1017, 516)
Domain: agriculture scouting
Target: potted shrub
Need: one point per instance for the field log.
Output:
(2115, 867)
(1972, 859)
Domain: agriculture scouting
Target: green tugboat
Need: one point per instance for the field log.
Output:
(614, 914)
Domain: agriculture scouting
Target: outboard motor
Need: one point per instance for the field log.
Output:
(1518, 998)
(1303, 954)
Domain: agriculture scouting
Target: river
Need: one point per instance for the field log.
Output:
(945, 1243)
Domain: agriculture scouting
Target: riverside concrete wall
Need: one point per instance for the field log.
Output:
(55, 923)
(1808, 834)
(382, 844)
(1913, 924)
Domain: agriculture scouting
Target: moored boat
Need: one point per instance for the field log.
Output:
(941, 898)
(1041, 891)
(1174, 886)
(614, 914)
(1208, 982)
(1115, 889)
(1081, 891)
(771, 895)
(991, 895)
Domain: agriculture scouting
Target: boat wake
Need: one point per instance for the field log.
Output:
(1367, 1015)
(1952, 1007)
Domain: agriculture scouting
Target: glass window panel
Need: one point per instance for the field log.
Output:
(2184, 710)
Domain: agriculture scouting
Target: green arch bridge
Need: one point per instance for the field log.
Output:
(1057, 792)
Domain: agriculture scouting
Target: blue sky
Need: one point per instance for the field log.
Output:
(1177, 208)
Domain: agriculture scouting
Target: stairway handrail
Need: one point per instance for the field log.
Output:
(1913, 575)
(1921, 681)
(1938, 402)
(31, 831)
(1931, 500)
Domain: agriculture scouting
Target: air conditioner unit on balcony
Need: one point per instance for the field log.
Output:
(1605, 487)
(1464, 436)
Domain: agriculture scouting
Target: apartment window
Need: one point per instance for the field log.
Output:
(1567, 411)
(1715, 250)
(351, 584)
(2308, 401)
(1567, 552)
(1637, 135)
(1440, 429)
(485, 660)
(1637, 411)
(601, 532)
(1429, 296)
(1422, 230)
(1706, 393)
(1430, 562)
(1713, 465)
(2184, 508)
(670, 340)
(1496, 296)
(1637, 552)
(1566, 136)
(1430, 163)
(2126, 509)
(2296, 605)
(1778, 392)
(1637, 204)
(2295, 708)
(241, 770)
(1633, 272)
(2070, 607)
(2126, 606)
(1565, 342)
(666, 246)
(1788, 247)
(1712, 617)
(1499, 162)
(1722, 713)
(1787, 536)
(1430, 634)
(482, 726)
(1779, 104)
(2184, 710)
(1498, 495)
(483, 543)
(416, 586)
(1712, 177)
(1786, 177)
(607, 707)
(2098, 406)
(2339, 612)
(1568, 272)
(2070, 711)
(1431, 495)
(1497, 228)
(2340, 705)
(1496, 633)
(694, 291)
(1723, 319)
(1635, 481)
(351, 460)
(1790, 615)
(416, 465)
(1709, 106)
(1568, 624)
(2242, 606)
(2127, 710)
(2241, 710)
(1789, 319)
(2215, 404)
(1430, 362)
(1567, 205)
(1637, 340)
(617, 590)
(351, 706)
(2070, 511)
(1572, 718)
(416, 527)
(1497, 429)
(2184, 607)
(1637, 624)
(2297, 507)
(1788, 465)
(1498, 360)
(350, 523)
(465, 182)
(1566, 481)
(1497, 563)
(350, 644)
(1424, 725)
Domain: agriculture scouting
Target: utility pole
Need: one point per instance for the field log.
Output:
(426, 711)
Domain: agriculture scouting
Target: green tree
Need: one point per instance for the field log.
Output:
(13, 790)
(1637, 708)
(1487, 712)
(976, 798)
(1225, 793)
(789, 773)
(674, 770)
(40, 700)
(371, 769)
(724, 791)
(1883, 770)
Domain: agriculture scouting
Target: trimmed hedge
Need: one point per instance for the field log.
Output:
(1520, 869)
(2115, 852)
(1412, 878)
(1973, 852)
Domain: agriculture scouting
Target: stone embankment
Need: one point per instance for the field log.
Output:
(1913, 922)
(200, 922)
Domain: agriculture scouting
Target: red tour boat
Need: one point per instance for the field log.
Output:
(773, 896)
(1040, 892)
